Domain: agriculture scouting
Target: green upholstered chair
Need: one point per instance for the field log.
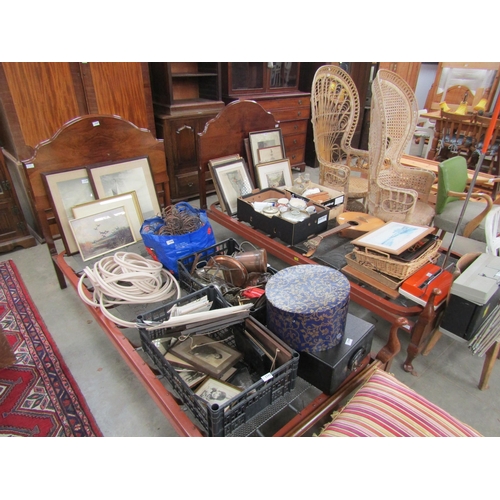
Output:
(452, 183)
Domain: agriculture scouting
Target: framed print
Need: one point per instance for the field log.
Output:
(102, 232)
(231, 181)
(66, 189)
(128, 201)
(123, 177)
(393, 237)
(272, 153)
(265, 140)
(217, 392)
(206, 355)
(276, 174)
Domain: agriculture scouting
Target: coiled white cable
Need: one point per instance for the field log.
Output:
(127, 278)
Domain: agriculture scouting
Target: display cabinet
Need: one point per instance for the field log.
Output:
(275, 87)
(185, 96)
(13, 228)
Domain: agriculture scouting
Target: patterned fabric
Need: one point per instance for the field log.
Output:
(307, 306)
(386, 407)
(38, 395)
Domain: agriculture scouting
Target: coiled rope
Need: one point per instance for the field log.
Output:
(127, 278)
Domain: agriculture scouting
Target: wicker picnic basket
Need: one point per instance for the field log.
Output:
(385, 263)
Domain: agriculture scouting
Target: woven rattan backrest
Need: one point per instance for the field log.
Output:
(334, 112)
(401, 113)
(377, 138)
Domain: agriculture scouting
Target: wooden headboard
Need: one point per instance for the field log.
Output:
(225, 134)
(84, 141)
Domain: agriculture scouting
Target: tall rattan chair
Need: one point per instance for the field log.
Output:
(397, 193)
(334, 115)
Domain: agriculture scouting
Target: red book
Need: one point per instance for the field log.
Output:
(419, 286)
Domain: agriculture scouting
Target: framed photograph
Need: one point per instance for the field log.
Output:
(123, 177)
(102, 232)
(276, 174)
(217, 392)
(231, 181)
(393, 237)
(206, 354)
(265, 140)
(66, 189)
(191, 377)
(128, 201)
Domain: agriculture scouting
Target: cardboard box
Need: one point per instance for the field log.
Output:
(329, 198)
(275, 226)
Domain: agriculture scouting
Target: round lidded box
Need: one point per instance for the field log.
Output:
(307, 306)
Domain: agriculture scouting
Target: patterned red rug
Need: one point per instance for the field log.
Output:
(38, 395)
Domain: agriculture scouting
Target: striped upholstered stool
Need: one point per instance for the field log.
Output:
(383, 406)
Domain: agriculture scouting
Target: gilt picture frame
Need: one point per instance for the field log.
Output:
(217, 392)
(128, 201)
(276, 174)
(102, 233)
(112, 179)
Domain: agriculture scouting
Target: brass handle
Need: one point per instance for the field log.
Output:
(295, 141)
(190, 184)
(299, 113)
(300, 102)
(179, 130)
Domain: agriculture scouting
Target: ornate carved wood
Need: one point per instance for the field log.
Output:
(89, 140)
(224, 135)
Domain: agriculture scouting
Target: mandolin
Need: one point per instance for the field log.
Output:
(360, 223)
(351, 225)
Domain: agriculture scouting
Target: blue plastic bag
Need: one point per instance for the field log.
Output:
(168, 249)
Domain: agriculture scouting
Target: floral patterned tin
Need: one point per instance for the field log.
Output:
(307, 306)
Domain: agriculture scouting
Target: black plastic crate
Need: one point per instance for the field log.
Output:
(191, 283)
(223, 420)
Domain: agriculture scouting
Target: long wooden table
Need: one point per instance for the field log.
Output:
(422, 320)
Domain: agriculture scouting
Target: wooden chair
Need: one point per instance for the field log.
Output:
(334, 115)
(491, 157)
(452, 183)
(397, 193)
(458, 136)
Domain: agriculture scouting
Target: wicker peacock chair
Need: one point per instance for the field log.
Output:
(397, 193)
(334, 116)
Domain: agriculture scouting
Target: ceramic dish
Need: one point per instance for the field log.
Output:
(297, 203)
(295, 216)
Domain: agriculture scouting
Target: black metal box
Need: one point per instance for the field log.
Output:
(275, 226)
(328, 369)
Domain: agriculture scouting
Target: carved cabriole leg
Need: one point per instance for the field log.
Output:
(421, 330)
(393, 346)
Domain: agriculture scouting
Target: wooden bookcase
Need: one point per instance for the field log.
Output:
(185, 96)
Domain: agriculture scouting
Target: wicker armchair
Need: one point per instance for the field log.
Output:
(397, 193)
(334, 116)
